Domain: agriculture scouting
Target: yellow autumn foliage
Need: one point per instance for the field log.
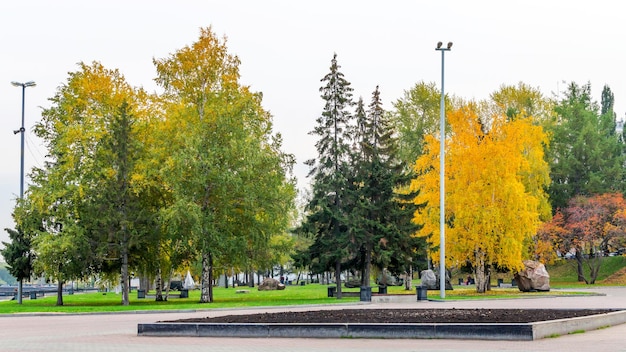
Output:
(494, 184)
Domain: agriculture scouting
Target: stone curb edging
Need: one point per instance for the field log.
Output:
(506, 331)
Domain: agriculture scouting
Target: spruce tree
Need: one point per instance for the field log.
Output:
(380, 220)
(19, 257)
(327, 215)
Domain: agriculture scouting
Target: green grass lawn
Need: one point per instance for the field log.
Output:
(223, 298)
(312, 294)
(562, 275)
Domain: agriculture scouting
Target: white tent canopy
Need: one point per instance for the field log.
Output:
(189, 283)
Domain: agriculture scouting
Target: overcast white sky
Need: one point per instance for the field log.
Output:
(286, 46)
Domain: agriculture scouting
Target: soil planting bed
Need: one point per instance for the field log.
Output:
(382, 316)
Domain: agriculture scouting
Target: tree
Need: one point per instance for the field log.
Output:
(19, 257)
(81, 200)
(494, 183)
(415, 116)
(521, 101)
(586, 156)
(122, 217)
(379, 217)
(230, 191)
(326, 212)
(590, 227)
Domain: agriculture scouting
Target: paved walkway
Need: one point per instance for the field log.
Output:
(118, 332)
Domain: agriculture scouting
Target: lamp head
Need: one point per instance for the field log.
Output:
(449, 46)
(24, 85)
(439, 45)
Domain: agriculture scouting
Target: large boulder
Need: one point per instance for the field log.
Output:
(534, 277)
(269, 284)
(431, 280)
(352, 283)
(386, 279)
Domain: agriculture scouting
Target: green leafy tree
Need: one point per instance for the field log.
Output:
(227, 176)
(83, 196)
(586, 156)
(63, 256)
(520, 101)
(415, 116)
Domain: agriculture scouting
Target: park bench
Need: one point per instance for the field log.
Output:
(332, 290)
(184, 293)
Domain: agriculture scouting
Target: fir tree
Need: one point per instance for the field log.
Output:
(19, 257)
(327, 215)
(380, 220)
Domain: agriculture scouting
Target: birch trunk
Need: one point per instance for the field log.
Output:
(480, 273)
(207, 277)
(159, 286)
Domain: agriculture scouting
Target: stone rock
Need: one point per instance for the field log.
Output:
(269, 284)
(431, 280)
(353, 283)
(534, 277)
(386, 279)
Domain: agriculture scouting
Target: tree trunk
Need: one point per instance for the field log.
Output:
(124, 273)
(594, 266)
(367, 266)
(144, 282)
(20, 290)
(159, 286)
(479, 273)
(579, 266)
(207, 275)
(60, 293)
(338, 278)
(211, 277)
(251, 278)
(168, 284)
(408, 279)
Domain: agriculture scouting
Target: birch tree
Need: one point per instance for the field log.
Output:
(227, 175)
(494, 190)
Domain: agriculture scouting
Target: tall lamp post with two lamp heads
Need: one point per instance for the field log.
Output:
(22, 130)
(442, 196)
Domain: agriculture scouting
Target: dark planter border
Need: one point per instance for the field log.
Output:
(507, 331)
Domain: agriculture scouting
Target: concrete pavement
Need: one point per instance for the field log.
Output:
(118, 332)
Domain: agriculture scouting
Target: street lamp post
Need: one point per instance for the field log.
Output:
(22, 130)
(442, 150)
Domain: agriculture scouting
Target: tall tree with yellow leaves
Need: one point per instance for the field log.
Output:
(495, 178)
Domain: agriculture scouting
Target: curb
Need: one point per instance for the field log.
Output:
(492, 331)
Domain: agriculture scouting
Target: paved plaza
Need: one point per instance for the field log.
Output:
(118, 332)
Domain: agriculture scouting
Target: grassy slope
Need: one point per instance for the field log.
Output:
(611, 272)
